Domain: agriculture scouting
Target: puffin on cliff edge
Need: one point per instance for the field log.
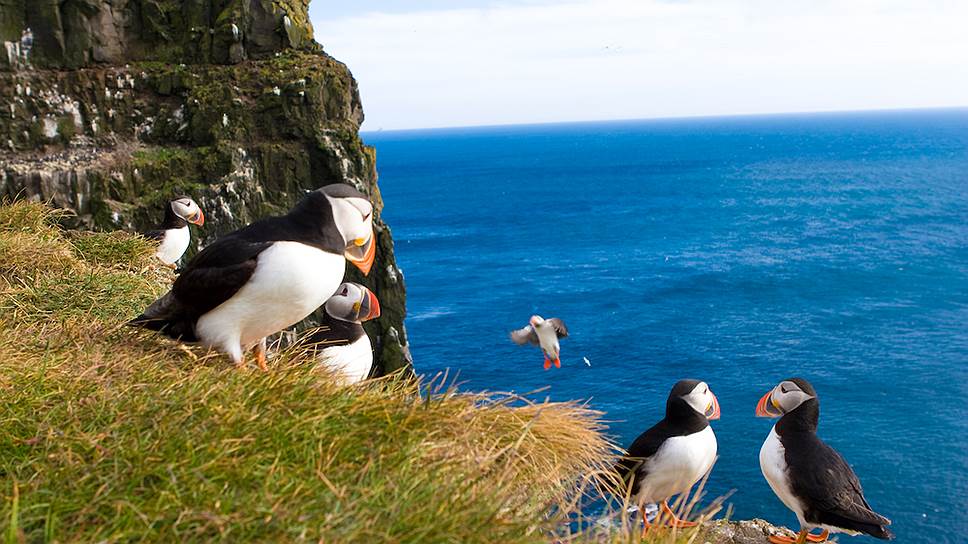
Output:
(340, 343)
(267, 276)
(675, 453)
(173, 232)
(544, 333)
(807, 475)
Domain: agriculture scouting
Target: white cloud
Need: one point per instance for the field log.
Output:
(621, 59)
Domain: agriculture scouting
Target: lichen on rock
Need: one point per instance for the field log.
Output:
(108, 108)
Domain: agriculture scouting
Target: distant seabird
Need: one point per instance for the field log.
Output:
(544, 333)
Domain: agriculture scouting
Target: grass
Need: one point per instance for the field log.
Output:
(112, 434)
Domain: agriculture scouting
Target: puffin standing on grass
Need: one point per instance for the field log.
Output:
(267, 276)
(669, 458)
(173, 232)
(544, 333)
(341, 343)
(809, 476)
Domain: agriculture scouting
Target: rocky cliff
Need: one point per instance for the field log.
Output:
(110, 107)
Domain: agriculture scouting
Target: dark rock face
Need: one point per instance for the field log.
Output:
(110, 107)
(78, 32)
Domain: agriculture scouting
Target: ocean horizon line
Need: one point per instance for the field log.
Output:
(672, 118)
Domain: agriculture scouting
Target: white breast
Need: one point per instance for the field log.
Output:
(290, 281)
(351, 362)
(774, 467)
(174, 242)
(548, 339)
(679, 463)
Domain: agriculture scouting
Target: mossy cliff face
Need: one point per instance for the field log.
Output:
(110, 107)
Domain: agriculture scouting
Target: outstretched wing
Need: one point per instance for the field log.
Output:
(524, 336)
(560, 329)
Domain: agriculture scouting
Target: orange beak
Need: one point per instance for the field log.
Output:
(199, 219)
(374, 307)
(365, 263)
(766, 408)
(713, 411)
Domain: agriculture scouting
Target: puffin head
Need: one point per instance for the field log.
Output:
(696, 395)
(787, 396)
(354, 303)
(536, 320)
(186, 208)
(353, 215)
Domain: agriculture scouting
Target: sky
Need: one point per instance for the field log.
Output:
(446, 63)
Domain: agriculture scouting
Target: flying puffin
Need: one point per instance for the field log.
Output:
(340, 342)
(809, 476)
(669, 458)
(173, 231)
(544, 333)
(267, 276)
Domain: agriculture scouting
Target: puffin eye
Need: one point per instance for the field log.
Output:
(345, 291)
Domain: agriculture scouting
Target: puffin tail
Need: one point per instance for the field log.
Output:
(163, 316)
(875, 526)
(881, 532)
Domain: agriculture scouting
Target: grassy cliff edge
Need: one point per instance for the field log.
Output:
(113, 434)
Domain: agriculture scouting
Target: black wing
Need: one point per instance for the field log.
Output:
(832, 491)
(560, 329)
(154, 234)
(217, 273)
(334, 332)
(209, 279)
(630, 468)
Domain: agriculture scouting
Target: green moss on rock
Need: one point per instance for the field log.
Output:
(229, 101)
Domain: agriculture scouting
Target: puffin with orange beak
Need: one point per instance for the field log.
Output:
(807, 475)
(173, 232)
(340, 343)
(669, 458)
(544, 333)
(270, 275)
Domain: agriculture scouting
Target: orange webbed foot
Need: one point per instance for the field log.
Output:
(547, 363)
(822, 537)
(781, 539)
(675, 521)
(557, 363)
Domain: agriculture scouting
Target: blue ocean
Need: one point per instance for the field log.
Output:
(740, 251)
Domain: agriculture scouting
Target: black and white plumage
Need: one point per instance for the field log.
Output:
(544, 333)
(340, 343)
(807, 475)
(267, 276)
(675, 453)
(172, 234)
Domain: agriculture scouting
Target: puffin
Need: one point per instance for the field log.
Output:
(807, 475)
(340, 343)
(544, 333)
(173, 232)
(675, 453)
(267, 276)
